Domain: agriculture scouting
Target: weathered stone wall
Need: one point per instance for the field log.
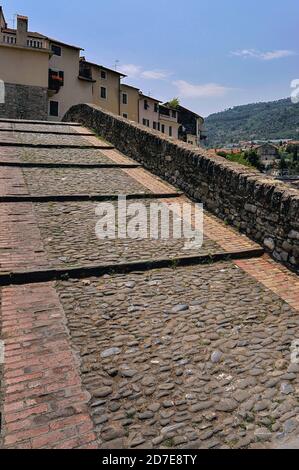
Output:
(24, 102)
(265, 209)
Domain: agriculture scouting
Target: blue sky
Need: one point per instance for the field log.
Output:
(212, 54)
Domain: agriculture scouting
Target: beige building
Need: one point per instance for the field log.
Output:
(65, 86)
(168, 120)
(24, 59)
(105, 84)
(149, 111)
(129, 102)
(44, 77)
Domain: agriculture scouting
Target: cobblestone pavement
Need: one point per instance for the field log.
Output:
(32, 155)
(54, 181)
(178, 357)
(43, 139)
(41, 127)
(170, 358)
(67, 242)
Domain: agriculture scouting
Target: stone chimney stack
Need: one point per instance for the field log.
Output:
(22, 30)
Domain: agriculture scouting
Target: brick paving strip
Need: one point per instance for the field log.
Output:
(58, 393)
(44, 402)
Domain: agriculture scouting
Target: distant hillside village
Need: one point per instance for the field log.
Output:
(278, 159)
(44, 77)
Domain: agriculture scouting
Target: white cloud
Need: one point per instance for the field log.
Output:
(131, 70)
(136, 71)
(155, 74)
(270, 55)
(188, 90)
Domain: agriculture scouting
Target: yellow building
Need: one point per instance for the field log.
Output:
(105, 84)
(24, 64)
(129, 102)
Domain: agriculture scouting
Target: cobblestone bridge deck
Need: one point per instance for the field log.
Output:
(127, 343)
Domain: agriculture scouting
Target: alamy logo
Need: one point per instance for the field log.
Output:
(2, 92)
(295, 93)
(156, 220)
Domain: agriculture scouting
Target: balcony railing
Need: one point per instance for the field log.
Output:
(8, 39)
(31, 42)
(56, 80)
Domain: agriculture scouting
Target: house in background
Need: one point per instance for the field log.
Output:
(105, 85)
(129, 102)
(65, 86)
(168, 119)
(41, 78)
(191, 126)
(268, 153)
(149, 111)
(24, 69)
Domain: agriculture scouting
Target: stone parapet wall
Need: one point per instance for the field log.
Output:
(265, 210)
(24, 102)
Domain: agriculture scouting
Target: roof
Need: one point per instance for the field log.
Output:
(266, 144)
(34, 34)
(149, 97)
(102, 67)
(189, 110)
(130, 86)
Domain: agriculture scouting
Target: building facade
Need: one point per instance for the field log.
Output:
(24, 59)
(268, 153)
(65, 87)
(129, 102)
(191, 128)
(168, 120)
(42, 78)
(105, 85)
(149, 111)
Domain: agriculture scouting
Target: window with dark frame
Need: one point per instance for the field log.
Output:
(103, 93)
(54, 108)
(174, 114)
(156, 107)
(170, 131)
(56, 49)
(163, 128)
(103, 74)
(125, 115)
(125, 98)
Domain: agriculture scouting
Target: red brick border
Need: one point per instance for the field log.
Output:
(44, 402)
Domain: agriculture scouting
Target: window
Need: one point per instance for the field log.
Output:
(56, 49)
(174, 114)
(162, 128)
(54, 107)
(125, 115)
(103, 93)
(125, 98)
(155, 125)
(170, 131)
(146, 105)
(103, 75)
(146, 122)
(156, 107)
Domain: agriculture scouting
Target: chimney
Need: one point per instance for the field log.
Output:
(22, 30)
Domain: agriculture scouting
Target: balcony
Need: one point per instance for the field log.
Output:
(56, 81)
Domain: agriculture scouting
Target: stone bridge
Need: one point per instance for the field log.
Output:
(134, 343)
